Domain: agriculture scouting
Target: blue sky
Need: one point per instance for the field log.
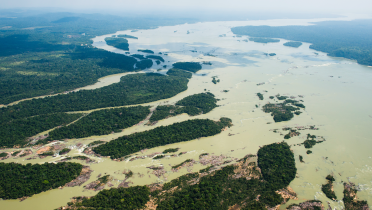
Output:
(320, 6)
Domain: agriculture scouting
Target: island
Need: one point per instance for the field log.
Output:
(119, 43)
(293, 44)
(243, 185)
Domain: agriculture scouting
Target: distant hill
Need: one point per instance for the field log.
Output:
(66, 19)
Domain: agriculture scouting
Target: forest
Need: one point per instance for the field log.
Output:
(101, 122)
(348, 39)
(263, 40)
(34, 74)
(144, 64)
(188, 66)
(283, 111)
(328, 188)
(17, 132)
(132, 89)
(163, 135)
(196, 104)
(17, 180)
(50, 59)
(179, 73)
(350, 198)
(293, 44)
(127, 36)
(155, 57)
(212, 188)
(260, 96)
(119, 43)
(146, 51)
(277, 164)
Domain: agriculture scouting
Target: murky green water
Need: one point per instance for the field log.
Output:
(336, 93)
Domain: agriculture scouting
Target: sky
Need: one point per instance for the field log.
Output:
(309, 6)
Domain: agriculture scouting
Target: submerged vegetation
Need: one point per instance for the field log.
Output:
(17, 180)
(177, 132)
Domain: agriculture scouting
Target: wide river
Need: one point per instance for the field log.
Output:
(335, 91)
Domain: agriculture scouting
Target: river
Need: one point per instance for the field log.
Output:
(335, 91)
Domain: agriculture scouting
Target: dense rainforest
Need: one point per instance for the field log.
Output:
(132, 89)
(277, 164)
(17, 132)
(177, 132)
(59, 57)
(179, 73)
(239, 185)
(17, 180)
(196, 104)
(348, 39)
(119, 43)
(101, 123)
(188, 66)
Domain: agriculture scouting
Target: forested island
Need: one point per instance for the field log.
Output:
(155, 57)
(196, 104)
(348, 39)
(177, 132)
(101, 123)
(17, 132)
(179, 73)
(263, 40)
(133, 89)
(17, 180)
(127, 36)
(293, 44)
(239, 185)
(188, 66)
(119, 43)
(146, 51)
(283, 111)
